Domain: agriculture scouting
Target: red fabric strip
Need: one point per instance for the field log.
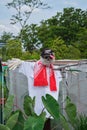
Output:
(40, 76)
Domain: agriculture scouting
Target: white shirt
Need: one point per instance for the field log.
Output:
(27, 68)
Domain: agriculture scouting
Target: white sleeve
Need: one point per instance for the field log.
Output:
(26, 68)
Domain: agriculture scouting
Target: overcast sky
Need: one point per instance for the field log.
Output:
(38, 15)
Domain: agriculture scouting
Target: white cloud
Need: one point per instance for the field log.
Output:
(70, 3)
(4, 28)
(27, 8)
(16, 28)
(9, 28)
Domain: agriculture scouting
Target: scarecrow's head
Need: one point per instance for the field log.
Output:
(47, 56)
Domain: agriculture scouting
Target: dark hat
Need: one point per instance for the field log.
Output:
(47, 53)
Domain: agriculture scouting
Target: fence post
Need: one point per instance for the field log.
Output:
(1, 113)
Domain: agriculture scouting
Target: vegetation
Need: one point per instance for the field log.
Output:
(30, 120)
(65, 33)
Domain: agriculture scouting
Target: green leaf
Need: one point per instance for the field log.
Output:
(81, 123)
(11, 122)
(34, 123)
(64, 122)
(71, 111)
(29, 104)
(51, 105)
(43, 115)
(8, 107)
(4, 127)
(20, 121)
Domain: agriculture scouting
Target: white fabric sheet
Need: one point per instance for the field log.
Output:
(27, 68)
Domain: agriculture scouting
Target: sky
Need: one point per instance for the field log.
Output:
(38, 15)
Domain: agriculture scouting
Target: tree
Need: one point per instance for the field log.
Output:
(13, 49)
(68, 26)
(3, 41)
(82, 42)
(62, 51)
(72, 19)
(29, 38)
(21, 16)
(5, 37)
(59, 48)
(47, 31)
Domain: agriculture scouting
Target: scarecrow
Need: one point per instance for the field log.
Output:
(42, 79)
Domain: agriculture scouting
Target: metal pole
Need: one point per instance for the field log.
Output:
(1, 114)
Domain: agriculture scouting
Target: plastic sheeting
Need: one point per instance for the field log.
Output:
(73, 84)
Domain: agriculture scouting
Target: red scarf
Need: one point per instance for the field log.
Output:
(40, 76)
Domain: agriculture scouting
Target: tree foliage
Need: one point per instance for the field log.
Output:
(65, 33)
(5, 37)
(13, 49)
(29, 37)
(71, 27)
(27, 33)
